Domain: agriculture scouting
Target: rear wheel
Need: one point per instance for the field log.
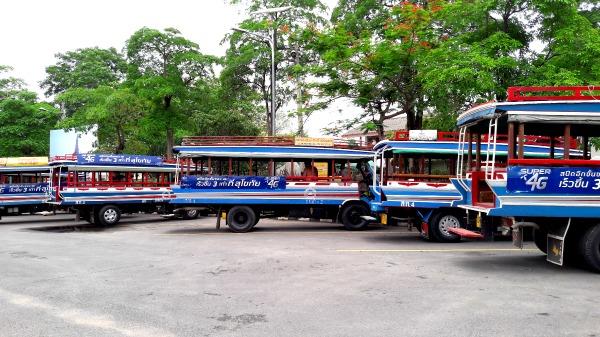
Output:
(190, 214)
(108, 215)
(439, 225)
(241, 219)
(589, 247)
(352, 217)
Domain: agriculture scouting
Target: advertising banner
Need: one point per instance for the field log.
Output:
(118, 159)
(309, 141)
(236, 183)
(23, 188)
(554, 180)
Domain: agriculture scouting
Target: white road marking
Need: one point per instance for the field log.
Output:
(82, 317)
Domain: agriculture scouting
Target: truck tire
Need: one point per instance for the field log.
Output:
(190, 214)
(241, 219)
(541, 240)
(439, 224)
(108, 215)
(352, 217)
(589, 247)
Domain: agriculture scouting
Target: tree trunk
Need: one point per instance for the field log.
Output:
(170, 143)
(120, 140)
(170, 133)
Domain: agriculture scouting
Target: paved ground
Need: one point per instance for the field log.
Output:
(155, 277)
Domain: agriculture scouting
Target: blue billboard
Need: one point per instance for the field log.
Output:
(118, 159)
(233, 182)
(553, 180)
(23, 188)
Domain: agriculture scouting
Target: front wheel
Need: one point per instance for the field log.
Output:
(241, 219)
(352, 216)
(589, 247)
(108, 215)
(439, 225)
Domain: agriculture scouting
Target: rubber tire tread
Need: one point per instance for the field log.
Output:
(589, 247)
(435, 232)
(347, 212)
(99, 219)
(241, 228)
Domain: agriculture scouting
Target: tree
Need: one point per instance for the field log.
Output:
(25, 123)
(163, 67)
(481, 51)
(248, 61)
(116, 112)
(371, 54)
(84, 68)
(571, 34)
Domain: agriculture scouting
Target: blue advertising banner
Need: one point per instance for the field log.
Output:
(23, 188)
(553, 180)
(236, 183)
(118, 159)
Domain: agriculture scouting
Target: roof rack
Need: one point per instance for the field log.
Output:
(273, 141)
(237, 140)
(403, 135)
(569, 93)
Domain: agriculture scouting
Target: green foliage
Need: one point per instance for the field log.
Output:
(84, 68)
(116, 112)
(25, 122)
(248, 60)
(164, 68)
(372, 54)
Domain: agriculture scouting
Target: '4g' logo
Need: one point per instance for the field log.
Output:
(536, 182)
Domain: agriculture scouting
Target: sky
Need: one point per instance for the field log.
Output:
(35, 30)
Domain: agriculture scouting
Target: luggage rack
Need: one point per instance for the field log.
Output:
(273, 141)
(568, 93)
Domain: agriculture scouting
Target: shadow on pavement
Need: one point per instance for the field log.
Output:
(127, 222)
(395, 237)
(274, 228)
(528, 264)
(6, 220)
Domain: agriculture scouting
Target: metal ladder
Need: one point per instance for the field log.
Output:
(490, 166)
(460, 165)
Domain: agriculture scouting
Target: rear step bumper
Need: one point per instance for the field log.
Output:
(465, 233)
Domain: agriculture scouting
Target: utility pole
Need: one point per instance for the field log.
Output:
(272, 42)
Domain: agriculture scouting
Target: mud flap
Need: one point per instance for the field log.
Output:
(517, 237)
(556, 244)
(425, 222)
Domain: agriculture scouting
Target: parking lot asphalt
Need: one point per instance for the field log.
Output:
(155, 277)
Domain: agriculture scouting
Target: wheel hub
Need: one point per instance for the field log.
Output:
(110, 215)
(447, 222)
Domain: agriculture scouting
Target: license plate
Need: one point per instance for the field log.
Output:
(384, 219)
